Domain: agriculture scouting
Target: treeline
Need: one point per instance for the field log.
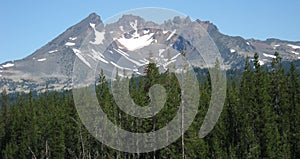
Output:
(260, 119)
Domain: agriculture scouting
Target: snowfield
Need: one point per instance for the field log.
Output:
(136, 42)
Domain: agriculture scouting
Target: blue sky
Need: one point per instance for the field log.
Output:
(27, 25)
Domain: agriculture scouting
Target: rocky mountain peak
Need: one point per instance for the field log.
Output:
(208, 26)
(94, 18)
(129, 17)
(179, 20)
(129, 22)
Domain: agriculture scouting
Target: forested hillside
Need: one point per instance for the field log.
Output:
(260, 119)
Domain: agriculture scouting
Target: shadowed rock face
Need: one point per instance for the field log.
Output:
(52, 64)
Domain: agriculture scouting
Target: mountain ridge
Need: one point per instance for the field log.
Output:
(52, 64)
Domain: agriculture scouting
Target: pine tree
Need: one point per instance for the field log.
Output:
(246, 93)
(294, 112)
(279, 96)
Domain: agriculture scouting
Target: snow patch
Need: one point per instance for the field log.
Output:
(137, 42)
(98, 56)
(121, 28)
(121, 52)
(294, 46)
(165, 32)
(146, 31)
(78, 54)
(173, 58)
(72, 38)
(261, 62)
(70, 44)
(133, 61)
(268, 55)
(144, 61)
(168, 63)
(165, 60)
(160, 51)
(97, 53)
(138, 73)
(232, 50)
(93, 25)
(296, 53)
(124, 54)
(123, 68)
(180, 70)
(76, 51)
(99, 36)
(41, 60)
(52, 51)
(170, 36)
(248, 43)
(275, 46)
(8, 65)
(133, 25)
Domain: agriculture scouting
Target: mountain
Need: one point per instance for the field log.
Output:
(129, 44)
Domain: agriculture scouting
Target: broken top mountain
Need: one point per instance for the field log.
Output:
(129, 44)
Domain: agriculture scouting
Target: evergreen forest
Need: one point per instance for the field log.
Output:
(260, 118)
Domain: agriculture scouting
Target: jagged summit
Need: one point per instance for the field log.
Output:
(179, 20)
(208, 26)
(93, 18)
(129, 17)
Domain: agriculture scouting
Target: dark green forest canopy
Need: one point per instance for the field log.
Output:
(260, 118)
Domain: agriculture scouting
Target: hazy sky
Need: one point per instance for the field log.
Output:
(27, 25)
